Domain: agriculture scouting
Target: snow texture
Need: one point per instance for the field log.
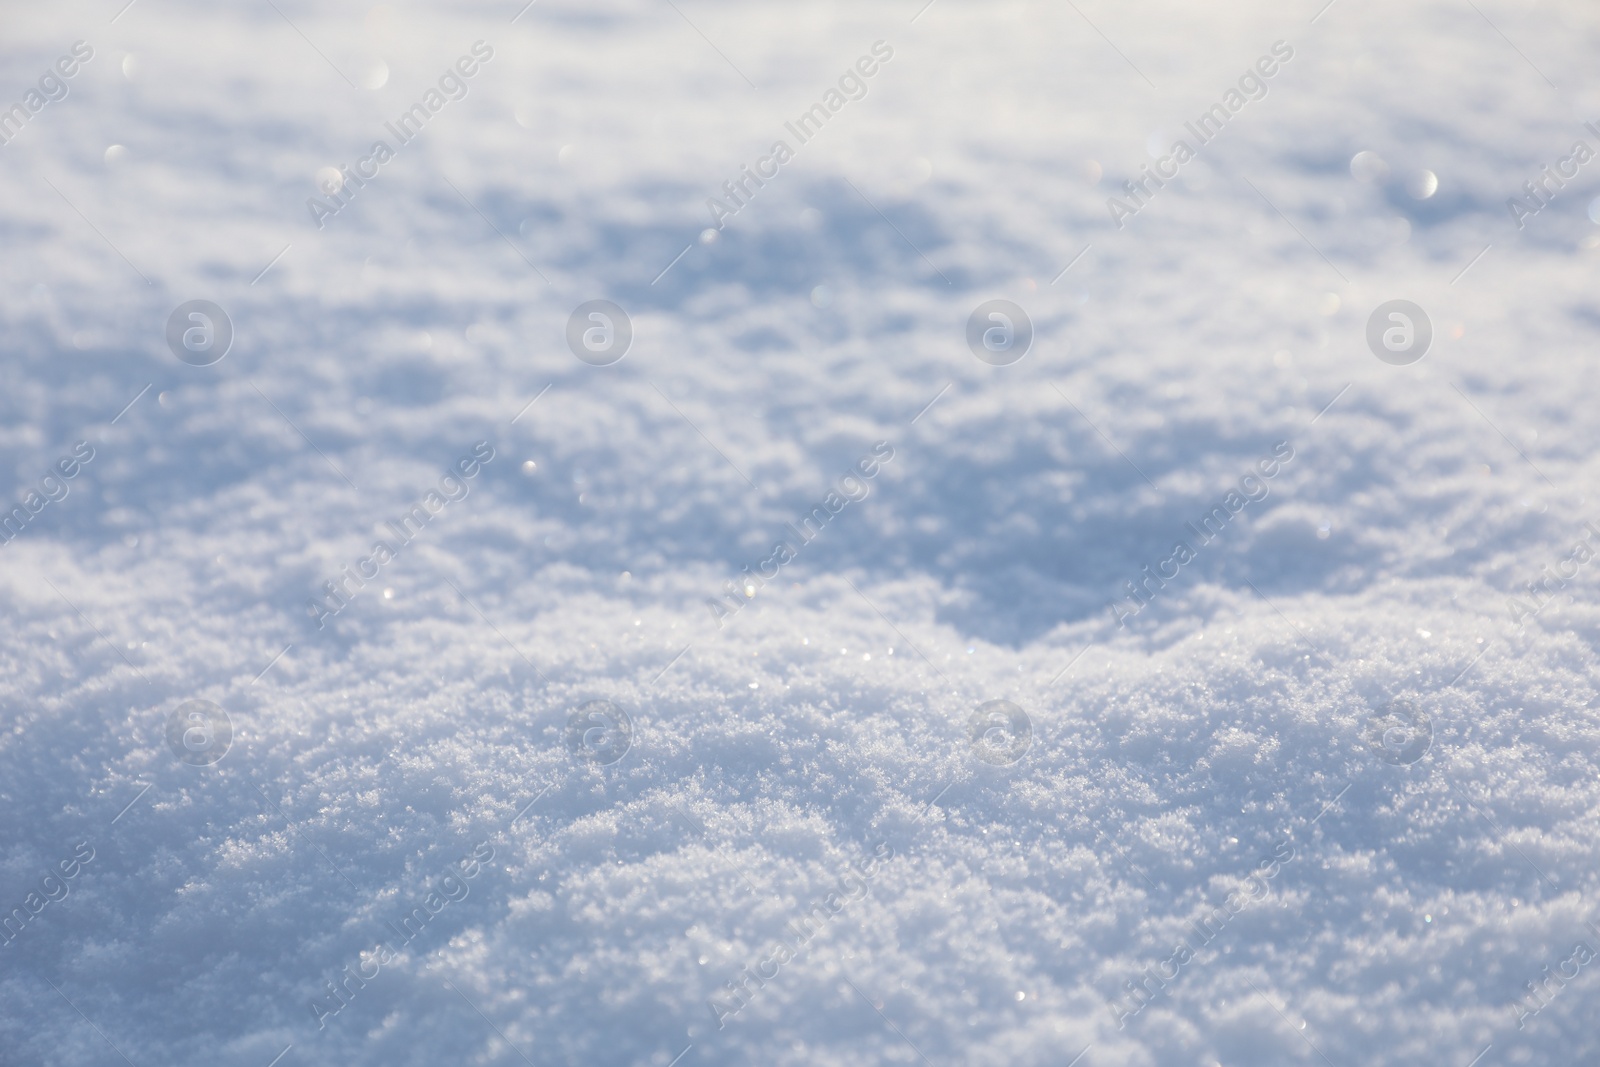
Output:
(1329, 795)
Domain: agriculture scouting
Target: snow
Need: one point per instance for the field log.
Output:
(1359, 720)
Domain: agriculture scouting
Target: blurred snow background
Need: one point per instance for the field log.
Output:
(1167, 757)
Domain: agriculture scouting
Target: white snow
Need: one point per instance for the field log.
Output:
(1352, 686)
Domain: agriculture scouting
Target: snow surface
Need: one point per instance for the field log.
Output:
(818, 741)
